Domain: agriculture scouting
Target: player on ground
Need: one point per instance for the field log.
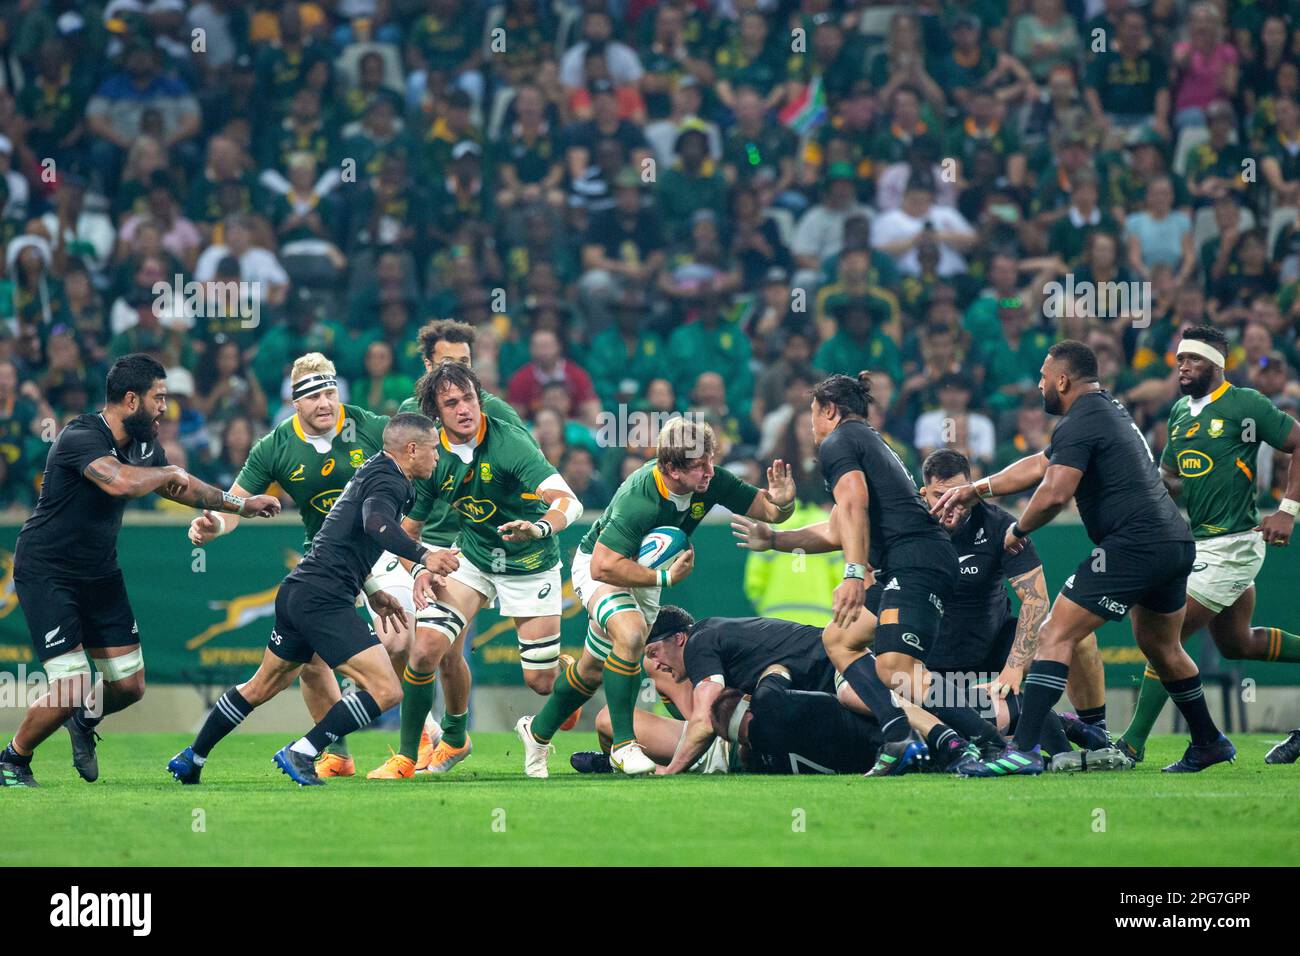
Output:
(65, 562)
(1209, 463)
(883, 526)
(315, 609)
(721, 652)
(512, 502)
(443, 340)
(622, 597)
(312, 456)
(780, 730)
(1143, 556)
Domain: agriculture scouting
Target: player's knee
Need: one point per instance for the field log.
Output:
(1237, 647)
(604, 726)
(541, 682)
(131, 689)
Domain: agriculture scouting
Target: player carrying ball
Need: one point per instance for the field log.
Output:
(1215, 431)
(622, 597)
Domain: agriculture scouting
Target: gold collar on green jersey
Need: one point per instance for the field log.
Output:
(478, 439)
(338, 426)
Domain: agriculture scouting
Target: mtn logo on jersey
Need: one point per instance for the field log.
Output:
(324, 501)
(1194, 464)
(475, 509)
(298, 473)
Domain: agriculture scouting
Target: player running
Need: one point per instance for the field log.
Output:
(1209, 463)
(315, 610)
(443, 340)
(65, 562)
(1143, 556)
(886, 531)
(511, 502)
(622, 597)
(312, 456)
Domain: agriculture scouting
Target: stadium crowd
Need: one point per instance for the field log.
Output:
(689, 205)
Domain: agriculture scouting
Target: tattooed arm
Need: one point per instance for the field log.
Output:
(1031, 588)
(200, 494)
(132, 481)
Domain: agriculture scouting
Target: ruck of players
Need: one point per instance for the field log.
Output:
(949, 649)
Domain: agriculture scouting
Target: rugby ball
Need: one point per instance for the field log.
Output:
(661, 545)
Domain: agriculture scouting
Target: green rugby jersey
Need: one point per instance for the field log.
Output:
(498, 484)
(442, 524)
(313, 479)
(1215, 450)
(644, 502)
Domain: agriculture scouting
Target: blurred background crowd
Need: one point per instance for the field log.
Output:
(683, 205)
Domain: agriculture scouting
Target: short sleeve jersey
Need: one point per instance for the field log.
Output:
(442, 523)
(342, 553)
(644, 502)
(313, 478)
(1121, 498)
(1214, 445)
(739, 649)
(903, 532)
(980, 605)
(73, 529)
(496, 484)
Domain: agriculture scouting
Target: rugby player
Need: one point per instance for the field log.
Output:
(726, 652)
(512, 502)
(980, 635)
(443, 340)
(312, 456)
(885, 529)
(1144, 553)
(1209, 464)
(315, 609)
(65, 562)
(622, 597)
(780, 730)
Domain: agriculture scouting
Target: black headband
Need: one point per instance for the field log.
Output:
(313, 384)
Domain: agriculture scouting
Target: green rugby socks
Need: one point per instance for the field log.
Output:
(570, 693)
(622, 684)
(417, 698)
(453, 728)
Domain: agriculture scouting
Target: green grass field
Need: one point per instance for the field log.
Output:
(487, 812)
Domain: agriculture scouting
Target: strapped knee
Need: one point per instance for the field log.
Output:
(120, 668)
(71, 664)
(443, 618)
(541, 654)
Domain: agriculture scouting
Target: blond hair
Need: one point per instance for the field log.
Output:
(683, 440)
(313, 363)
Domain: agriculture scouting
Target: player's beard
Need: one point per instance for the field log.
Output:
(1052, 401)
(141, 426)
(1198, 387)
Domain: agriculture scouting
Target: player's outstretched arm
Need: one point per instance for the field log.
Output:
(1278, 526)
(850, 517)
(212, 524)
(1016, 477)
(563, 509)
(699, 729)
(200, 494)
(1054, 491)
(819, 538)
(133, 481)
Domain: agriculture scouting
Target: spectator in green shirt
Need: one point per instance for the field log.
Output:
(712, 345)
(625, 357)
(693, 183)
(859, 343)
